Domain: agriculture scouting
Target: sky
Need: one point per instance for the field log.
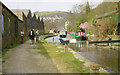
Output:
(45, 5)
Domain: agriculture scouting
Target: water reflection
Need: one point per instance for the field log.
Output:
(107, 58)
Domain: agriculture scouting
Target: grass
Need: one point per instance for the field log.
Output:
(14, 45)
(65, 60)
(42, 37)
(72, 63)
(45, 53)
(68, 61)
(17, 43)
(0, 54)
(116, 38)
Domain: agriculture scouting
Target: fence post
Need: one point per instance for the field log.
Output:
(110, 45)
(87, 43)
(53, 40)
(65, 48)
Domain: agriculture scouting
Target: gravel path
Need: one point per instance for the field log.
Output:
(25, 59)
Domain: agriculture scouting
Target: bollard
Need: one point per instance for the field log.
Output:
(110, 45)
(53, 40)
(94, 69)
(87, 43)
(65, 48)
(21, 39)
(35, 39)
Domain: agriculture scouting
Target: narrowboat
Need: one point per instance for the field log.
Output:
(80, 36)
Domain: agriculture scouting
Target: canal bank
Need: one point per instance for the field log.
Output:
(81, 58)
(87, 63)
(106, 57)
(66, 62)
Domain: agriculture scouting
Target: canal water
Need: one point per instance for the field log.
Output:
(56, 38)
(105, 57)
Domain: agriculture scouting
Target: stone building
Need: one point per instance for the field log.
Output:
(34, 22)
(11, 25)
(0, 27)
(31, 20)
(19, 12)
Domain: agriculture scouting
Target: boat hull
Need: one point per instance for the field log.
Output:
(80, 38)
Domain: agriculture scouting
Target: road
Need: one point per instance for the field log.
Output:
(25, 59)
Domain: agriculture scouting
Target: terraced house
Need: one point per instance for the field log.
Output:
(12, 24)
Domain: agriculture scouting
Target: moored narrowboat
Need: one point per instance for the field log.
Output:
(80, 36)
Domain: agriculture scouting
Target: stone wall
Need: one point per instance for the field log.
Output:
(12, 32)
(0, 27)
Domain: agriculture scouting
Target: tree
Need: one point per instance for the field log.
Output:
(87, 8)
(118, 5)
(49, 25)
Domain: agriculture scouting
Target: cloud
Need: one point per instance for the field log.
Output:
(111, 0)
(51, 0)
(59, 0)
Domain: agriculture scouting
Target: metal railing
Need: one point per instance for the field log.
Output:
(108, 41)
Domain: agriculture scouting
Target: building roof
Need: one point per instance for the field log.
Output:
(10, 11)
(25, 11)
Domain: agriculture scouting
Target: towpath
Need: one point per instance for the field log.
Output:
(25, 59)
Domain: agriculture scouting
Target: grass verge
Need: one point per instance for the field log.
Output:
(116, 38)
(14, 45)
(65, 61)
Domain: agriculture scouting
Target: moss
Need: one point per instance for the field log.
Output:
(4, 51)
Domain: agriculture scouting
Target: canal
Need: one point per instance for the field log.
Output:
(107, 58)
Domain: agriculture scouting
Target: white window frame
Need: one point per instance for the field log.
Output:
(9, 23)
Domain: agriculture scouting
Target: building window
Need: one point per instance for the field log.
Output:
(9, 24)
(2, 23)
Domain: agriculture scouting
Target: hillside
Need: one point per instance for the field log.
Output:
(59, 23)
(51, 14)
(46, 12)
(105, 7)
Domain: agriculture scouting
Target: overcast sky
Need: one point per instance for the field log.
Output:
(45, 5)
